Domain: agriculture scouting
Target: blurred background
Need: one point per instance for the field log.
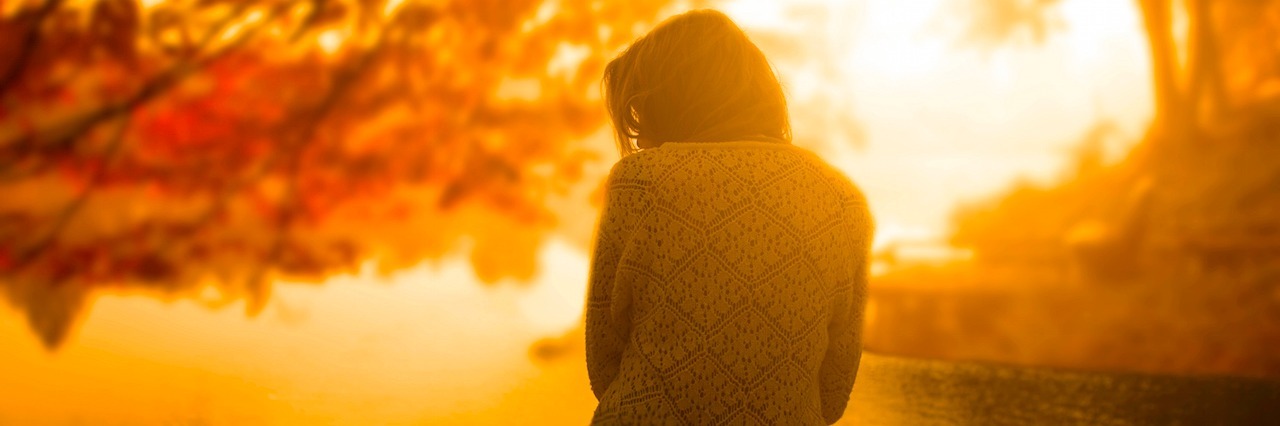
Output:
(378, 211)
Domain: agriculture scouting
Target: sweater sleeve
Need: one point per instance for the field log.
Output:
(844, 348)
(606, 328)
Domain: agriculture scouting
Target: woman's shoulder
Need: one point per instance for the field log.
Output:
(670, 155)
(840, 182)
(646, 165)
(635, 167)
(652, 164)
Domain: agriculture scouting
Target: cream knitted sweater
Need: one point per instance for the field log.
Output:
(727, 285)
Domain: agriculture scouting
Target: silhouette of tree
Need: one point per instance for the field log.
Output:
(1224, 71)
(168, 145)
(1223, 64)
(1199, 188)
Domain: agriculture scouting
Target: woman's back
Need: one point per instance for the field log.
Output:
(728, 283)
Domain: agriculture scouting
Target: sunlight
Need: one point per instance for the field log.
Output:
(946, 122)
(756, 13)
(371, 336)
(148, 4)
(555, 305)
(330, 41)
(391, 7)
(239, 26)
(898, 38)
(1090, 25)
(566, 60)
(545, 12)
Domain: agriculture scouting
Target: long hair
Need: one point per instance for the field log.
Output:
(694, 78)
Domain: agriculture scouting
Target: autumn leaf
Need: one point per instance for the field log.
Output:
(171, 146)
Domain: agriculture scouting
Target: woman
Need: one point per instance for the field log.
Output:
(728, 276)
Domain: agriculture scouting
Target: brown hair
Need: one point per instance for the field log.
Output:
(694, 78)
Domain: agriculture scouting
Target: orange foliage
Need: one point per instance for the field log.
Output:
(1173, 252)
(170, 145)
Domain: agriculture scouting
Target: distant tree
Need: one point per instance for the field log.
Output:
(1226, 64)
(167, 145)
(1226, 61)
(1216, 84)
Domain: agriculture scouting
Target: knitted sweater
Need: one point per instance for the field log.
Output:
(727, 285)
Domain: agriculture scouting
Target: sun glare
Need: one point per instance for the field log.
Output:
(1091, 24)
(391, 7)
(331, 40)
(946, 122)
(756, 13)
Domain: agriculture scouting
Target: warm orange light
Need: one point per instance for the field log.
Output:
(943, 123)
(391, 7)
(330, 41)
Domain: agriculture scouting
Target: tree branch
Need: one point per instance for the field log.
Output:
(30, 41)
(1207, 94)
(1157, 16)
(27, 145)
(26, 257)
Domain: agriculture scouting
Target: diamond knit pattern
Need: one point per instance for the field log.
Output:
(727, 286)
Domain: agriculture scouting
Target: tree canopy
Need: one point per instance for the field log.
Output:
(170, 145)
